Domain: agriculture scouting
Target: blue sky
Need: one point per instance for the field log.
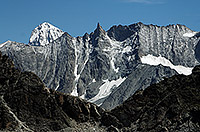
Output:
(19, 17)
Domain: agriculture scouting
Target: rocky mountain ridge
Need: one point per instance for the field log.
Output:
(107, 67)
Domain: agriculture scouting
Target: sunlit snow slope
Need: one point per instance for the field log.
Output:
(44, 34)
(153, 60)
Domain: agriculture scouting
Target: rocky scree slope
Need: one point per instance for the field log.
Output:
(27, 105)
(105, 67)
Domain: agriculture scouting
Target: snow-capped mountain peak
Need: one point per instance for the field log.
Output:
(44, 34)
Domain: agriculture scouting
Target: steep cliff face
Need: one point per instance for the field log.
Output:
(103, 66)
(171, 105)
(174, 42)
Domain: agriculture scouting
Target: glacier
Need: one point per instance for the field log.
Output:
(189, 35)
(153, 60)
(106, 89)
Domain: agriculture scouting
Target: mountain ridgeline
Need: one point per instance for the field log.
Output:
(107, 67)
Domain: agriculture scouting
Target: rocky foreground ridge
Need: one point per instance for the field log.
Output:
(172, 105)
(106, 67)
(27, 105)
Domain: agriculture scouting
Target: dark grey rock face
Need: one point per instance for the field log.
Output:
(120, 33)
(106, 67)
(197, 51)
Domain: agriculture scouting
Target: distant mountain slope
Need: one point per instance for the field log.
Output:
(107, 67)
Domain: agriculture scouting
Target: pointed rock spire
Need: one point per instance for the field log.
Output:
(99, 26)
(99, 30)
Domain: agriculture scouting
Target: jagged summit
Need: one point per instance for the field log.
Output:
(44, 34)
(99, 30)
(99, 26)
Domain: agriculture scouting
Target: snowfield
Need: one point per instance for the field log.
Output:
(153, 60)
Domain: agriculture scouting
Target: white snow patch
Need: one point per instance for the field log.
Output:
(99, 104)
(153, 60)
(33, 49)
(75, 92)
(1, 45)
(47, 89)
(189, 35)
(83, 96)
(93, 80)
(129, 58)
(127, 49)
(57, 87)
(106, 89)
(114, 50)
(78, 50)
(113, 65)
